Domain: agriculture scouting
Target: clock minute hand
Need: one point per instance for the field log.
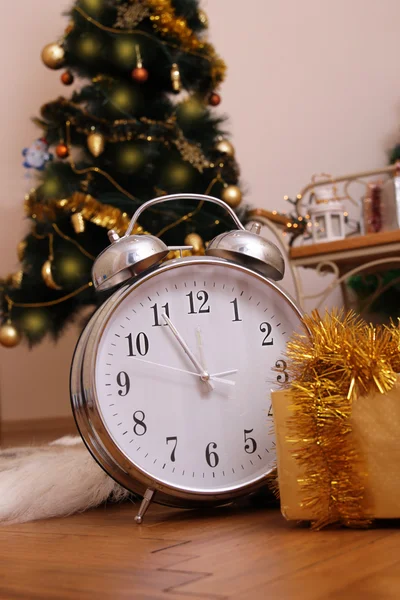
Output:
(203, 374)
(216, 378)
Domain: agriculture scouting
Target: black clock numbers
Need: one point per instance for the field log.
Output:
(140, 427)
(281, 369)
(250, 444)
(235, 310)
(266, 328)
(158, 320)
(140, 345)
(174, 441)
(198, 304)
(212, 457)
(124, 383)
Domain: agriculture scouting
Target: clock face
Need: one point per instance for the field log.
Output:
(184, 370)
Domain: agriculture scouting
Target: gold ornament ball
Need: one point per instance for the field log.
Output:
(53, 56)
(9, 335)
(96, 143)
(225, 147)
(232, 195)
(195, 240)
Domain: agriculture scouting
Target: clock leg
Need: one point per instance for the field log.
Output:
(147, 498)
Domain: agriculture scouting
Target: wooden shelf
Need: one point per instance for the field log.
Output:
(351, 251)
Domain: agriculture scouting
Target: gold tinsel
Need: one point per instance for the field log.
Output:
(91, 210)
(167, 23)
(341, 359)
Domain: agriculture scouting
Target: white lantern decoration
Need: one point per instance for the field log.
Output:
(327, 216)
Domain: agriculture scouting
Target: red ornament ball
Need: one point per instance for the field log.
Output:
(140, 74)
(214, 99)
(62, 151)
(67, 78)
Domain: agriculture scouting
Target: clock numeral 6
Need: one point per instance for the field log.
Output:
(172, 439)
(202, 296)
(250, 443)
(141, 344)
(140, 426)
(266, 328)
(283, 375)
(212, 458)
(123, 382)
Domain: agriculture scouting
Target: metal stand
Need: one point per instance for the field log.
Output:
(147, 498)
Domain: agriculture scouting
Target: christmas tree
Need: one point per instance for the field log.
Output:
(140, 125)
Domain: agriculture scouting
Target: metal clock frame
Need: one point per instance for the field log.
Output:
(93, 429)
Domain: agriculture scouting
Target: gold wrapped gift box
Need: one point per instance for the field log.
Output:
(375, 430)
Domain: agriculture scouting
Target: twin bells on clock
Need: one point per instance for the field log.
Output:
(131, 255)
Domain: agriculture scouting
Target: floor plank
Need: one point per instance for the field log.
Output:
(219, 554)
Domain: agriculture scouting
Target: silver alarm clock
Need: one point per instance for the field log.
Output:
(171, 378)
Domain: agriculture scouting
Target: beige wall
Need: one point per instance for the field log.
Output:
(313, 86)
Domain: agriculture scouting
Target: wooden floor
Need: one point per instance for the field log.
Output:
(248, 552)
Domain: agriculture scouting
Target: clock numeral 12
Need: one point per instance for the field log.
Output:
(141, 344)
(212, 458)
(235, 310)
(202, 296)
(156, 316)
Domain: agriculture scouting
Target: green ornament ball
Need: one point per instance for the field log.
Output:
(130, 158)
(88, 47)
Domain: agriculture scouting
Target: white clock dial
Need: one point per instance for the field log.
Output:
(187, 398)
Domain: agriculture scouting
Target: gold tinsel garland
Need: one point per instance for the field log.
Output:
(91, 210)
(172, 134)
(341, 359)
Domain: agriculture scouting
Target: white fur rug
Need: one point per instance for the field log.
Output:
(55, 480)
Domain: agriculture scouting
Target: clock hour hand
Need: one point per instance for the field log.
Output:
(204, 376)
(201, 352)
